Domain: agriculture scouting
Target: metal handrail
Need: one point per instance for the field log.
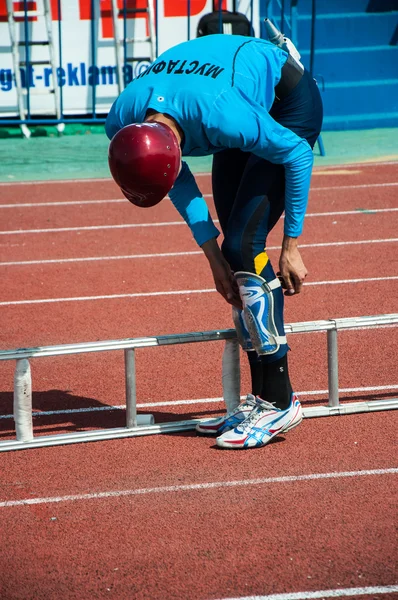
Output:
(201, 336)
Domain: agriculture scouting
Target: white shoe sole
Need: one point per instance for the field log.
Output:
(234, 446)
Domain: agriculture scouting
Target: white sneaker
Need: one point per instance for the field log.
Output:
(229, 420)
(262, 424)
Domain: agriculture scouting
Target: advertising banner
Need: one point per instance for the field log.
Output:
(86, 54)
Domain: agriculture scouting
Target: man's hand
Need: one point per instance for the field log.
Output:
(292, 269)
(223, 277)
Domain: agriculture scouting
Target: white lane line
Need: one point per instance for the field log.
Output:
(97, 258)
(370, 163)
(323, 594)
(124, 201)
(170, 254)
(172, 223)
(90, 409)
(357, 211)
(177, 292)
(57, 181)
(206, 174)
(199, 487)
(93, 227)
(354, 186)
(63, 203)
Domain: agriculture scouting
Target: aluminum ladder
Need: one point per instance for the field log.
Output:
(121, 44)
(43, 11)
(143, 424)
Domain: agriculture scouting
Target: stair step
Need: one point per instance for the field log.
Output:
(354, 64)
(355, 61)
(364, 30)
(360, 104)
(356, 121)
(363, 96)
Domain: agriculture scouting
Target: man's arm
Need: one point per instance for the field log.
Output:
(224, 279)
(257, 132)
(292, 269)
(188, 200)
(191, 205)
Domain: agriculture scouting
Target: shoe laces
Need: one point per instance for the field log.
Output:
(250, 402)
(261, 406)
(265, 405)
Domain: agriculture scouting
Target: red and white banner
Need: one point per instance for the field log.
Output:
(79, 70)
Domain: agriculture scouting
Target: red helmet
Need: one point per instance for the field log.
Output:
(144, 160)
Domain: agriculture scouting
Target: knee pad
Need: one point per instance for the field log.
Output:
(242, 332)
(258, 310)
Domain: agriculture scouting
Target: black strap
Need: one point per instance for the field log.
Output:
(290, 76)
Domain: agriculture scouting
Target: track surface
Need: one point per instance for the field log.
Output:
(166, 517)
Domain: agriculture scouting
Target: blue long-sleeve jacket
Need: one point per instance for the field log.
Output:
(220, 89)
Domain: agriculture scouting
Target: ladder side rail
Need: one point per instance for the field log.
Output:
(152, 30)
(61, 89)
(177, 426)
(117, 46)
(51, 50)
(115, 433)
(198, 336)
(27, 57)
(125, 61)
(94, 46)
(188, 19)
(156, 26)
(17, 73)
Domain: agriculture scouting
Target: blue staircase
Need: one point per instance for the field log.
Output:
(355, 57)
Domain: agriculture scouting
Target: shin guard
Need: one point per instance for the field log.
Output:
(242, 332)
(258, 310)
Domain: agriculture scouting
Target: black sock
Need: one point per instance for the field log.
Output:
(276, 387)
(256, 371)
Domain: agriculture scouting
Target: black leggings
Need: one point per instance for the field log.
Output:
(249, 192)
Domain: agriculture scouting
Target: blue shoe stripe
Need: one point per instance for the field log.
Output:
(259, 433)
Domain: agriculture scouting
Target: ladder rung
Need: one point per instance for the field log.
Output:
(138, 58)
(30, 13)
(136, 40)
(24, 63)
(132, 11)
(35, 92)
(29, 43)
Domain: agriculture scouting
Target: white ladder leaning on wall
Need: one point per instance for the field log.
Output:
(19, 42)
(120, 43)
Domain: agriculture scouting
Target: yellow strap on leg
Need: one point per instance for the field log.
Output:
(260, 262)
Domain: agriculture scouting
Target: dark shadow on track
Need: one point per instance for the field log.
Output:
(98, 415)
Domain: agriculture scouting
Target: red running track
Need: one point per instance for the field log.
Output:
(146, 536)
